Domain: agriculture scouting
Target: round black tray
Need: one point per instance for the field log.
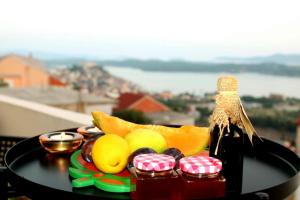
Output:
(268, 168)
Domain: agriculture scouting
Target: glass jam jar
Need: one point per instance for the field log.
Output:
(154, 177)
(200, 177)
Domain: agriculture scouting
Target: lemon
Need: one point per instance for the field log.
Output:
(140, 138)
(110, 153)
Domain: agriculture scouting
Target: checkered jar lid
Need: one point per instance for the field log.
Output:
(154, 162)
(200, 165)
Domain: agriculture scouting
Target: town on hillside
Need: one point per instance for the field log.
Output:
(85, 87)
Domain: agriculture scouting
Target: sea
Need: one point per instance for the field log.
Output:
(199, 83)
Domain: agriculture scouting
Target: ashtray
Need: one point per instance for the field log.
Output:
(89, 131)
(61, 142)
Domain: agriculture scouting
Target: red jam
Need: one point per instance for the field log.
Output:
(200, 178)
(153, 177)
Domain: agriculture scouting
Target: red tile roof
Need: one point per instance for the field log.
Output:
(298, 121)
(126, 99)
(55, 82)
(140, 102)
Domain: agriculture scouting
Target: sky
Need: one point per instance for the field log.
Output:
(164, 29)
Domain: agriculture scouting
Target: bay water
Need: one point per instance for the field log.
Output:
(199, 82)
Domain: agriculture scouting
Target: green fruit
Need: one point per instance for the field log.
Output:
(140, 138)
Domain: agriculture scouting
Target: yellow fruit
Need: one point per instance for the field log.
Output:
(110, 153)
(141, 137)
(188, 139)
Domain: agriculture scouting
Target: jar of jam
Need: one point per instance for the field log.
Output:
(154, 177)
(200, 177)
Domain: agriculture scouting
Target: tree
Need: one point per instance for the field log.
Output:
(133, 116)
(3, 83)
(204, 114)
(175, 104)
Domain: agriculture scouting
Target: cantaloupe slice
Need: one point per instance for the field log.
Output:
(112, 125)
(188, 139)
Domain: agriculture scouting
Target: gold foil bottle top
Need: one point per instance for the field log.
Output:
(227, 83)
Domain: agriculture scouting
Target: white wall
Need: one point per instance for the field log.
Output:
(187, 121)
(25, 118)
(107, 108)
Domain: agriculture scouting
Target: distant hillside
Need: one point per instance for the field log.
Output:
(52, 63)
(288, 59)
(179, 66)
(264, 65)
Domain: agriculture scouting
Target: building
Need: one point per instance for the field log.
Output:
(153, 109)
(165, 95)
(63, 98)
(171, 118)
(139, 102)
(19, 72)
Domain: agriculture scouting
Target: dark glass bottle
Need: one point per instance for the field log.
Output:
(230, 152)
(229, 125)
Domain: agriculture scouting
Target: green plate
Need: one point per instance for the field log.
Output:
(86, 174)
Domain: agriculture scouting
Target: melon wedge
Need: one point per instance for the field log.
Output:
(112, 125)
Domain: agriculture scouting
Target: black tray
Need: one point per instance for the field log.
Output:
(271, 169)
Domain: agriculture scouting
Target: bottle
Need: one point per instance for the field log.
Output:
(230, 152)
(154, 177)
(229, 124)
(201, 178)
